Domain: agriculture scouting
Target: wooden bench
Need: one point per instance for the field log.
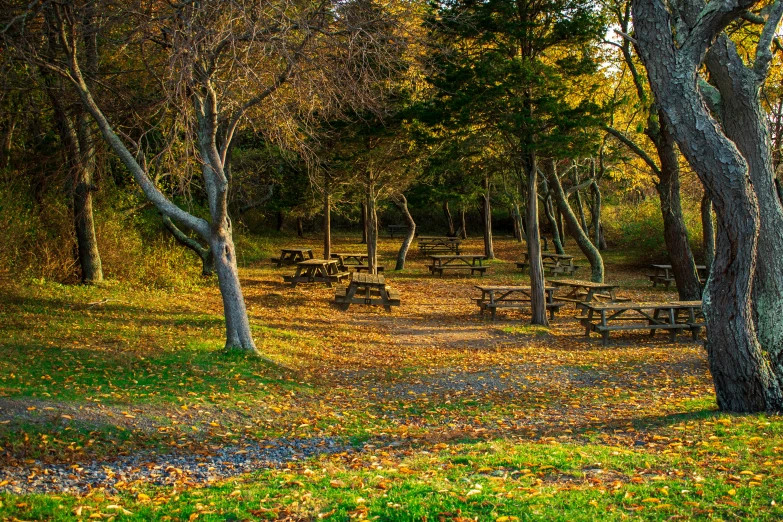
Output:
(442, 268)
(365, 268)
(553, 307)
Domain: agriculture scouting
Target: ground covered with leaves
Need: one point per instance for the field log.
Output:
(116, 403)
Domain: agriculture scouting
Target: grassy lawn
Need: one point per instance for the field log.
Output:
(432, 412)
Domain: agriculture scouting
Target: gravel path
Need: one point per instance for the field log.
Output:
(181, 468)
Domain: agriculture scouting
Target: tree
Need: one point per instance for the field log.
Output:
(666, 169)
(743, 370)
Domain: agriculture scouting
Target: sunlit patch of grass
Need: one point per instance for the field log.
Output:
(527, 330)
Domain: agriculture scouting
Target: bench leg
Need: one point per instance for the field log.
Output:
(695, 333)
(493, 313)
(604, 338)
(551, 314)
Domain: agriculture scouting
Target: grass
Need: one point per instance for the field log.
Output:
(452, 417)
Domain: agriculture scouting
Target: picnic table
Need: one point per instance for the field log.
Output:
(355, 260)
(444, 262)
(367, 289)
(580, 292)
(494, 297)
(395, 228)
(664, 274)
(292, 256)
(439, 244)
(554, 264)
(317, 271)
(673, 316)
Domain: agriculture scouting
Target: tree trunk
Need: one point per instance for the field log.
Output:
(598, 229)
(743, 377)
(238, 333)
(464, 223)
(364, 223)
(549, 210)
(537, 293)
(449, 220)
(708, 231)
(204, 253)
(486, 205)
(299, 226)
(675, 233)
(402, 204)
(84, 223)
(280, 220)
(582, 240)
(327, 225)
(372, 229)
(560, 227)
(581, 211)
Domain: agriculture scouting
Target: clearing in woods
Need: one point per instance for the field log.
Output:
(115, 403)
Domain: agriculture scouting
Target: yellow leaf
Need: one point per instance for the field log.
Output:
(732, 492)
(337, 483)
(142, 497)
(235, 493)
(651, 500)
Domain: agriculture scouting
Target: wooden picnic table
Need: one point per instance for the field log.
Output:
(292, 256)
(494, 297)
(367, 289)
(395, 228)
(580, 292)
(664, 274)
(444, 262)
(673, 316)
(356, 260)
(554, 264)
(439, 244)
(317, 271)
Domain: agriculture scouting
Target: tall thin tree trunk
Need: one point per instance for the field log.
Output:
(280, 220)
(299, 226)
(449, 220)
(581, 212)
(582, 240)
(708, 231)
(463, 222)
(238, 333)
(364, 223)
(675, 232)
(537, 292)
(372, 228)
(327, 219)
(84, 223)
(489, 249)
(598, 229)
(402, 203)
(560, 227)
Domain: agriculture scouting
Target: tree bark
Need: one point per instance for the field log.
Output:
(449, 220)
(549, 210)
(708, 231)
(238, 333)
(402, 203)
(743, 377)
(364, 223)
(598, 232)
(560, 227)
(299, 227)
(83, 217)
(537, 293)
(581, 211)
(204, 253)
(372, 228)
(486, 206)
(327, 223)
(582, 240)
(280, 220)
(463, 222)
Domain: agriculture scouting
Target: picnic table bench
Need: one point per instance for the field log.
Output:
(673, 316)
(664, 274)
(580, 292)
(317, 271)
(367, 289)
(445, 262)
(355, 260)
(518, 297)
(554, 264)
(439, 244)
(395, 228)
(292, 256)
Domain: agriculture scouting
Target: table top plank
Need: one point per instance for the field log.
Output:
(578, 283)
(642, 305)
(368, 279)
(457, 256)
(499, 288)
(317, 262)
(669, 267)
(299, 250)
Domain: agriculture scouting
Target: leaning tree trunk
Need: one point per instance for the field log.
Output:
(581, 210)
(549, 210)
(560, 227)
(204, 253)
(582, 240)
(449, 220)
(537, 293)
(675, 233)
(708, 231)
(402, 203)
(486, 207)
(238, 333)
(743, 376)
(84, 223)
